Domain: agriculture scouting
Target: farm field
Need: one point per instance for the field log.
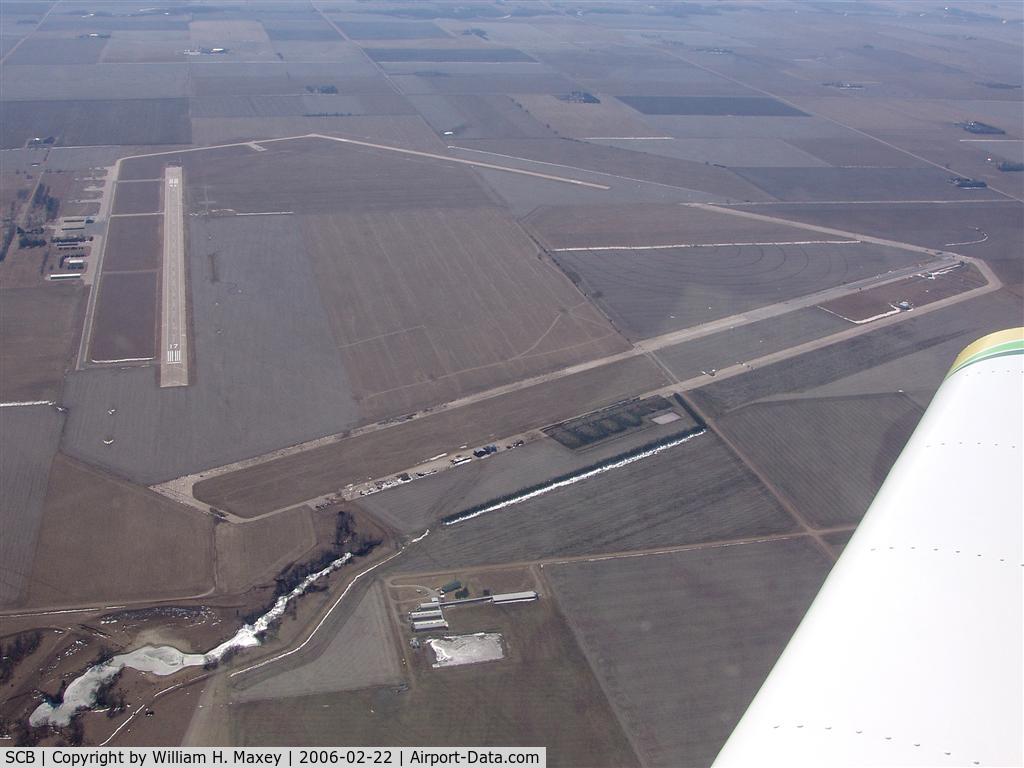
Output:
(580, 120)
(115, 121)
(854, 151)
(427, 81)
(359, 653)
(38, 331)
(413, 507)
(256, 552)
(720, 183)
(732, 153)
(126, 317)
(716, 618)
(59, 51)
(1000, 241)
(399, 130)
(426, 307)
(484, 116)
(328, 468)
(693, 493)
(647, 293)
(316, 176)
(29, 437)
(92, 521)
(392, 30)
(300, 30)
(475, 705)
(868, 184)
(854, 441)
(607, 226)
(137, 197)
(912, 356)
(747, 342)
(138, 90)
(754, 106)
(446, 54)
(134, 243)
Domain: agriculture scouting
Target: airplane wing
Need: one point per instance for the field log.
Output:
(911, 654)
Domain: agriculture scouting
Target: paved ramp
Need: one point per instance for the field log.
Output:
(173, 322)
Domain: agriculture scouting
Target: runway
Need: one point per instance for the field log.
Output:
(173, 321)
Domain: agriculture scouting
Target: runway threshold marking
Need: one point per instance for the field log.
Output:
(174, 324)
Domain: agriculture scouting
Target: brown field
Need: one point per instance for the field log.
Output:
(913, 356)
(120, 121)
(651, 224)
(647, 293)
(857, 183)
(682, 641)
(223, 33)
(412, 507)
(287, 30)
(447, 54)
(426, 80)
(55, 50)
(278, 483)
(919, 291)
(428, 306)
(392, 30)
(609, 118)
(103, 539)
(126, 317)
(29, 437)
(138, 197)
(321, 176)
(542, 693)
(828, 456)
(38, 330)
(158, 48)
(479, 116)
(27, 267)
(629, 163)
(933, 226)
(732, 153)
(693, 493)
(748, 342)
(406, 131)
(355, 650)
(134, 243)
(853, 151)
(255, 552)
(731, 106)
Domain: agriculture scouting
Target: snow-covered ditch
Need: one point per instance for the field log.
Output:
(165, 660)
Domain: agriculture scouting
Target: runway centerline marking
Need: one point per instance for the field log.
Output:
(174, 323)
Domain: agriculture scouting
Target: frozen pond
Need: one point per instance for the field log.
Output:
(164, 659)
(455, 650)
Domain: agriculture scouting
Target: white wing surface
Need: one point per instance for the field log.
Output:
(911, 654)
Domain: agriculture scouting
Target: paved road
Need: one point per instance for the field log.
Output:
(174, 323)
